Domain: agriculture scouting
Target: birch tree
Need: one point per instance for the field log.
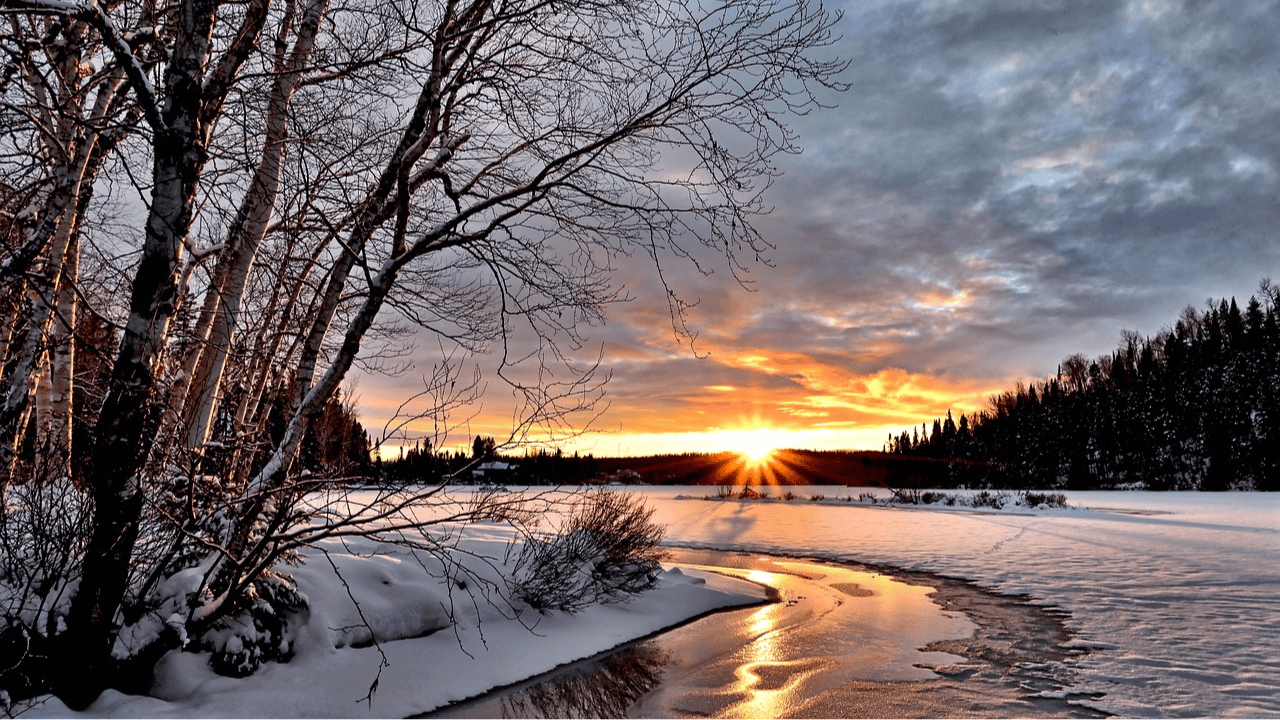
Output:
(63, 115)
(470, 168)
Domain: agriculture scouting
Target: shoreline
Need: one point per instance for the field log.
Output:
(1012, 665)
(771, 597)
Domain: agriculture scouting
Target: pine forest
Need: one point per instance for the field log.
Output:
(1196, 407)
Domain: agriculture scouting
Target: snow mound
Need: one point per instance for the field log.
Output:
(380, 598)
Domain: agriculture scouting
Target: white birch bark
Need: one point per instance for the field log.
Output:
(54, 381)
(246, 235)
(267, 366)
(194, 91)
(43, 292)
(71, 144)
(57, 430)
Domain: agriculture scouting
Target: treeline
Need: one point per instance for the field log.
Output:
(857, 468)
(335, 444)
(421, 463)
(1196, 407)
(424, 464)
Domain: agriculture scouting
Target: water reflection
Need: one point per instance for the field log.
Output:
(838, 642)
(764, 678)
(601, 688)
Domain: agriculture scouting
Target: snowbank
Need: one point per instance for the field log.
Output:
(1174, 593)
(422, 659)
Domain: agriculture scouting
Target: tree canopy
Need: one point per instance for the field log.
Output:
(212, 211)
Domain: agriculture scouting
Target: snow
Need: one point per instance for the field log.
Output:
(1176, 595)
(429, 660)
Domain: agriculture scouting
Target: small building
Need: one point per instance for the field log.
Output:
(492, 472)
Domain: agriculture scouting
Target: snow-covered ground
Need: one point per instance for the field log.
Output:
(1177, 593)
(401, 596)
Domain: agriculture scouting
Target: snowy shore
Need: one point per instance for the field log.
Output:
(432, 662)
(1174, 594)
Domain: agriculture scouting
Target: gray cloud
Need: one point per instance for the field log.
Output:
(1005, 183)
(1071, 162)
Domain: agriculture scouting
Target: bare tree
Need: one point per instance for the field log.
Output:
(62, 116)
(473, 168)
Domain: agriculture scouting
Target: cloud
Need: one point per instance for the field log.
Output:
(1005, 183)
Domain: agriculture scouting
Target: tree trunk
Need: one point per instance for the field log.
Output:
(43, 291)
(79, 161)
(55, 420)
(246, 235)
(250, 412)
(125, 429)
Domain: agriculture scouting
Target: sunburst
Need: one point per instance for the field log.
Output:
(756, 445)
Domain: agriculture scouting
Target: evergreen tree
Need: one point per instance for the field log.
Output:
(1195, 407)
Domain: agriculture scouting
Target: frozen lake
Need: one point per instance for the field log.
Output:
(840, 640)
(1171, 601)
(1177, 595)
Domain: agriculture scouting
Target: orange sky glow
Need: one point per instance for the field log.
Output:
(997, 191)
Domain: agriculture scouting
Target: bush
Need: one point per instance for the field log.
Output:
(607, 551)
(1036, 499)
(788, 496)
(24, 665)
(906, 496)
(259, 633)
(995, 500)
(817, 497)
(43, 527)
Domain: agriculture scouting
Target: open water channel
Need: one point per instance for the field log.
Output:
(838, 640)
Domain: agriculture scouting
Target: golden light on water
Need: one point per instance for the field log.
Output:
(769, 683)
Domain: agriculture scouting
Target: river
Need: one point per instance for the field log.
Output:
(839, 640)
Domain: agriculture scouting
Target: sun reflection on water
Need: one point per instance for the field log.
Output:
(769, 683)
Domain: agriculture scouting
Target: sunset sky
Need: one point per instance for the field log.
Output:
(1005, 183)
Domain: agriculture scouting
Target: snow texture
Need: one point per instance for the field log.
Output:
(1178, 594)
(431, 661)
(1175, 595)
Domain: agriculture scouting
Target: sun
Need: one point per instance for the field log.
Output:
(755, 445)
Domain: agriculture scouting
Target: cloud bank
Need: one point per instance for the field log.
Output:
(1005, 183)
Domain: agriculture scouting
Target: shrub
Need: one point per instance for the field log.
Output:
(989, 499)
(930, 498)
(259, 632)
(607, 551)
(788, 496)
(816, 497)
(906, 496)
(1036, 499)
(43, 527)
(749, 493)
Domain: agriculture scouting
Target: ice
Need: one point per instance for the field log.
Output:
(1174, 596)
